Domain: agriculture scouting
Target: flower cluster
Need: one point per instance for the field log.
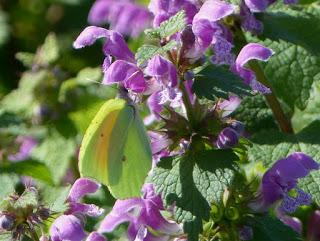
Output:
(164, 81)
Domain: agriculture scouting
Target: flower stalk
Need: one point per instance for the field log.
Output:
(283, 121)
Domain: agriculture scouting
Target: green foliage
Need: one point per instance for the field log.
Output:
(146, 52)
(267, 228)
(293, 35)
(55, 198)
(169, 27)
(270, 146)
(21, 100)
(301, 119)
(8, 182)
(255, 114)
(56, 151)
(193, 183)
(29, 168)
(49, 51)
(4, 27)
(214, 82)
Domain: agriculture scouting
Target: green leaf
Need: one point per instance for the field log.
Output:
(25, 58)
(29, 198)
(267, 228)
(22, 100)
(29, 168)
(214, 82)
(294, 36)
(255, 114)
(8, 182)
(194, 183)
(88, 76)
(270, 146)
(169, 27)
(146, 52)
(55, 197)
(49, 51)
(302, 118)
(55, 151)
(4, 28)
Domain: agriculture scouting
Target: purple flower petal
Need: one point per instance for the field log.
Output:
(281, 178)
(124, 16)
(90, 35)
(250, 52)
(128, 74)
(292, 222)
(214, 10)
(163, 70)
(154, 105)
(95, 236)
(257, 5)
(82, 187)
(313, 232)
(67, 227)
(158, 142)
(114, 45)
(227, 138)
(229, 106)
(253, 51)
(88, 209)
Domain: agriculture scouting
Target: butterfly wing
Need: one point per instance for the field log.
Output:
(116, 149)
(136, 161)
(103, 143)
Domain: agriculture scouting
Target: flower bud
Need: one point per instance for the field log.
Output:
(95, 236)
(6, 222)
(189, 75)
(238, 126)
(67, 227)
(187, 37)
(227, 138)
(232, 213)
(44, 213)
(313, 233)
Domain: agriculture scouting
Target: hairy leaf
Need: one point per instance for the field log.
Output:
(29, 168)
(255, 114)
(267, 228)
(194, 183)
(294, 36)
(56, 152)
(214, 82)
(168, 27)
(146, 52)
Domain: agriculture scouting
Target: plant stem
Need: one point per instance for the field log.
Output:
(283, 121)
(188, 104)
(281, 118)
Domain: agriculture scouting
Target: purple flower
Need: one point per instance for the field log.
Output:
(6, 222)
(163, 71)
(227, 138)
(164, 9)
(249, 21)
(245, 233)
(313, 232)
(261, 5)
(114, 45)
(227, 107)
(127, 74)
(250, 52)
(292, 222)
(124, 16)
(27, 144)
(143, 215)
(67, 227)
(80, 188)
(205, 23)
(280, 179)
(95, 236)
